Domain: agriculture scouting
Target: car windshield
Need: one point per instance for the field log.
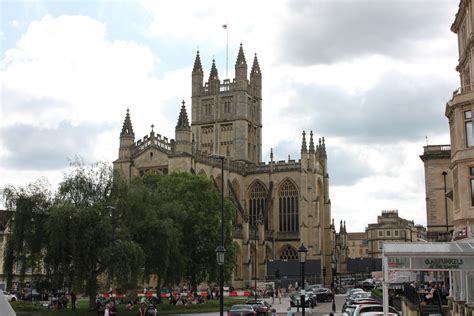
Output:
(241, 308)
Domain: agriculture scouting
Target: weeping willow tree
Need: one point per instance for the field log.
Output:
(96, 227)
(25, 243)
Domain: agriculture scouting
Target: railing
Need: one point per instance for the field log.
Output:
(436, 148)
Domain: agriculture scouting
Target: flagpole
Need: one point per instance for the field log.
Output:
(227, 52)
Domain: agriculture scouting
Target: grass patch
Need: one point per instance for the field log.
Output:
(27, 308)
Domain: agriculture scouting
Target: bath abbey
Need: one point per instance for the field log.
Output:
(279, 204)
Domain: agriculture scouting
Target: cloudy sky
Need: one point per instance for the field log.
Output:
(371, 76)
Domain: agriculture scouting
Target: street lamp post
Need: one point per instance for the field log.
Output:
(445, 201)
(333, 266)
(220, 253)
(302, 251)
(255, 259)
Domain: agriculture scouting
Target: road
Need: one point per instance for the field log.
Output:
(323, 308)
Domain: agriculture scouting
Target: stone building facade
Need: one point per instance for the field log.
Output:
(459, 112)
(391, 228)
(438, 188)
(280, 204)
(459, 164)
(357, 245)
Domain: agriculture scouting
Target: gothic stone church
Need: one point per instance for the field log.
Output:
(280, 204)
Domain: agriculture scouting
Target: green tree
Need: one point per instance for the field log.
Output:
(30, 206)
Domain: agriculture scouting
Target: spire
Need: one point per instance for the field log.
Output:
(213, 74)
(340, 227)
(323, 147)
(197, 63)
(127, 128)
(304, 149)
(271, 154)
(255, 67)
(311, 143)
(183, 122)
(345, 231)
(240, 57)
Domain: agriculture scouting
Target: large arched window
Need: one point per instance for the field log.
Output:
(288, 207)
(257, 196)
(289, 253)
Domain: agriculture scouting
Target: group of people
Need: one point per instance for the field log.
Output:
(275, 293)
(431, 292)
(61, 301)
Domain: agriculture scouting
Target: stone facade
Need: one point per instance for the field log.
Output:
(391, 228)
(459, 165)
(439, 192)
(357, 244)
(280, 204)
(459, 113)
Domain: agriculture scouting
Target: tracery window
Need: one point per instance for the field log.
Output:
(257, 196)
(289, 253)
(288, 207)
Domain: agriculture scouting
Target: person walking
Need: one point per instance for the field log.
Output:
(279, 295)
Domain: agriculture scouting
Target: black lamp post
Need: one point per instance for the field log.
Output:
(333, 266)
(302, 256)
(220, 250)
(255, 259)
(445, 201)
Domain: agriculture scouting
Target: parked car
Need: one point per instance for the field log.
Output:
(351, 293)
(261, 307)
(310, 299)
(359, 301)
(241, 310)
(10, 297)
(323, 294)
(369, 309)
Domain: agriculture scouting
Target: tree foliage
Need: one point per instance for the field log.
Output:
(97, 227)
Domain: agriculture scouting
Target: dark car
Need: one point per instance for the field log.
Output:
(323, 294)
(309, 301)
(241, 310)
(261, 307)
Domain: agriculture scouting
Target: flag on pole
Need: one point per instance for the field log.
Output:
(224, 26)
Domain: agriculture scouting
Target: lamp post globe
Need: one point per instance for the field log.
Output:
(220, 255)
(302, 251)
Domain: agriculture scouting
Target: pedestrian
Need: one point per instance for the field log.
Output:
(274, 312)
(113, 310)
(142, 310)
(289, 313)
(272, 295)
(279, 295)
(73, 301)
(107, 310)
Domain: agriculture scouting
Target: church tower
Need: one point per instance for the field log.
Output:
(227, 116)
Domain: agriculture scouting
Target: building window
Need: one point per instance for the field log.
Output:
(380, 245)
(380, 233)
(471, 173)
(289, 253)
(288, 208)
(257, 198)
(395, 233)
(468, 124)
(388, 233)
